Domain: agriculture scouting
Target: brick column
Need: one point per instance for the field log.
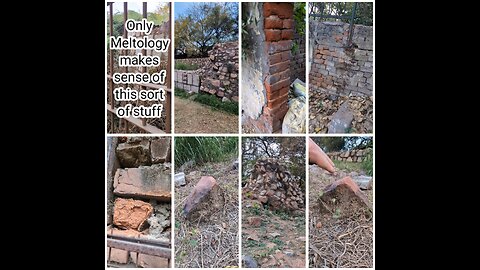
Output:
(278, 27)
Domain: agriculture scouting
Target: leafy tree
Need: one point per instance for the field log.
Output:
(332, 144)
(363, 13)
(204, 25)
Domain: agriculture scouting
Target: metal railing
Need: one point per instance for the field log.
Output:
(321, 16)
(140, 123)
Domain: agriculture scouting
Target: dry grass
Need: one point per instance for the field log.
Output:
(211, 239)
(338, 242)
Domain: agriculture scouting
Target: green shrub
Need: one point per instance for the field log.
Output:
(201, 150)
(214, 102)
(185, 66)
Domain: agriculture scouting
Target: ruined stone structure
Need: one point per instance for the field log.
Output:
(336, 67)
(267, 65)
(355, 155)
(216, 75)
(271, 183)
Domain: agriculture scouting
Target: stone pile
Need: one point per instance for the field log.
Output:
(271, 183)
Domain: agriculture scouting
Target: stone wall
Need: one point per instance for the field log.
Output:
(216, 75)
(337, 68)
(266, 66)
(356, 155)
(298, 58)
(220, 76)
(187, 80)
(199, 62)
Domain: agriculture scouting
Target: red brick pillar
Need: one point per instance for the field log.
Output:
(278, 27)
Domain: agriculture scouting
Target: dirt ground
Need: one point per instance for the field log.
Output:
(345, 242)
(279, 241)
(193, 117)
(210, 240)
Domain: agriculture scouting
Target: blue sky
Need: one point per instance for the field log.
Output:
(181, 8)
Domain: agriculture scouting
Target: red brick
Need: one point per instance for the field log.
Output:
(280, 46)
(273, 22)
(275, 58)
(278, 101)
(279, 112)
(271, 95)
(150, 261)
(286, 55)
(277, 86)
(282, 10)
(272, 34)
(285, 74)
(273, 78)
(119, 255)
(288, 24)
(131, 214)
(287, 34)
(279, 67)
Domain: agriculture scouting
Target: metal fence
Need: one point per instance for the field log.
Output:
(140, 123)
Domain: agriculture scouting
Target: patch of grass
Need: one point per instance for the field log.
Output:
(348, 166)
(253, 243)
(278, 242)
(185, 66)
(367, 163)
(337, 213)
(282, 215)
(181, 93)
(202, 150)
(214, 102)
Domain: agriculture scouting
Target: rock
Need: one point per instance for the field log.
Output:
(302, 239)
(160, 150)
(289, 253)
(253, 237)
(235, 164)
(344, 197)
(341, 120)
(254, 221)
(225, 99)
(159, 221)
(179, 179)
(274, 234)
(249, 262)
(215, 83)
(318, 225)
(363, 181)
(134, 153)
(131, 214)
(200, 193)
(152, 182)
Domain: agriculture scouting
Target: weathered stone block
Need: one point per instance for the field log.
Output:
(151, 182)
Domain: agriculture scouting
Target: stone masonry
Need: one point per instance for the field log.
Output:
(267, 65)
(220, 76)
(216, 75)
(187, 80)
(356, 155)
(336, 67)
